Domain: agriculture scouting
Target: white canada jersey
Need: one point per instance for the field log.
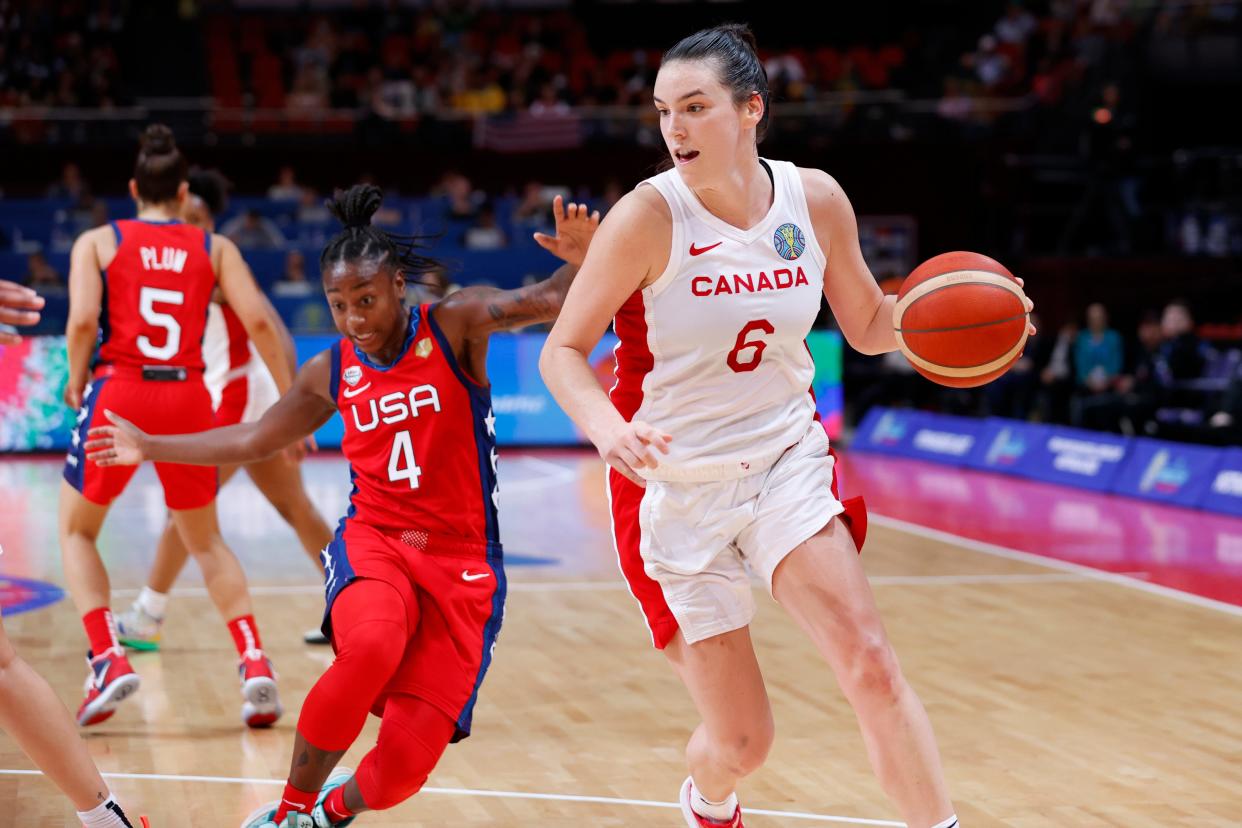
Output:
(227, 350)
(714, 351)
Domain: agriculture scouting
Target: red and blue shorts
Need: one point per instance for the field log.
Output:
(156, 407)
(454, 591)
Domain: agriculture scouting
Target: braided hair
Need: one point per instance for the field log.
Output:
(359, 240)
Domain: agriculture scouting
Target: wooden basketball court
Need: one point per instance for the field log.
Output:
(1061, 697)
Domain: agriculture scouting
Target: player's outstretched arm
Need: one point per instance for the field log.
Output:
(263, 325)
(477, 312)
(296, 415)
(19, 305)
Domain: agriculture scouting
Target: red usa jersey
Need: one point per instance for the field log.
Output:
(420, 437)
(156, 293)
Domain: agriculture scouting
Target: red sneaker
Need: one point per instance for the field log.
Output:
(693, 820)
(111, 680)
(261, 706)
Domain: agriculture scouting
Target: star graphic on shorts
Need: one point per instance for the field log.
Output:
(490, 420)
(495, 460)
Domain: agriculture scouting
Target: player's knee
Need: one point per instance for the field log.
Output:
(743, 751)
(874, 677)
(378, 644)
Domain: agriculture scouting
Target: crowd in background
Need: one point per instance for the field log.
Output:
(468, 57)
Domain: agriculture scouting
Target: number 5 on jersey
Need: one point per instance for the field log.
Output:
(401, 465)
(147, 298)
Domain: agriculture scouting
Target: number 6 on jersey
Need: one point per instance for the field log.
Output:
(401, 465)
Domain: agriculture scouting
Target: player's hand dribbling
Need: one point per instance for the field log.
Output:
(575, 228)
(634, 446)
(119, 444)
(20, 305)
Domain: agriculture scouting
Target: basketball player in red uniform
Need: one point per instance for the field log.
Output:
(414, 577)
(241, 389)
(714, 272)
(140, 290)
(30, 712)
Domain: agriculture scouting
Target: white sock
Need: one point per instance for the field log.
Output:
(153, 603)
(719, 811)
(107, 815)
(951, 822)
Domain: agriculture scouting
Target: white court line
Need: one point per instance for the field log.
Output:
(599, 800)
(608, 586)
(1119, 579)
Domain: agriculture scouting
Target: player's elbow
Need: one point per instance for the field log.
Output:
(550, 359)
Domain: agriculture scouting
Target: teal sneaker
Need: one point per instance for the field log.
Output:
(265, 817)
(338, 778)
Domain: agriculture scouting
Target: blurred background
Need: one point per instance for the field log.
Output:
(1089, 145)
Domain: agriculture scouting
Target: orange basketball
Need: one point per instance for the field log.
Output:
(961, 319)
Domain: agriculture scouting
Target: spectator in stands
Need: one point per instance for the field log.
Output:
(611, 195)
(549, 102)
(485, 234)
(431, 286)
(253, 231)
(42, 276)
(1140, 385)
(1017, 25)
(1056, 375)
(1183, 355)
(463, 200)
(294, 282)
(70, 186)
(286, 187)
(1098, 357)
(533, 209)
(314, 221)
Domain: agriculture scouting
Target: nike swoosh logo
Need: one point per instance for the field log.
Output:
(467, 575)
(351, 393)
(699, 251)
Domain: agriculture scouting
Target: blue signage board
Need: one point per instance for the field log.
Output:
(1074, 457)
(1168, 472)
(1224, 492)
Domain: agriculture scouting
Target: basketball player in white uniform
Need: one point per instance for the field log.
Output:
(241, 388)
(713, 273)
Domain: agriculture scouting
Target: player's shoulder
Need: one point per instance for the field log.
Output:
(96, 235)
(819, 185)
(643, 208)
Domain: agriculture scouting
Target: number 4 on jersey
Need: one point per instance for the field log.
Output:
(401, 465)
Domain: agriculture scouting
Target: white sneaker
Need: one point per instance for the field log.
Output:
(138, 629)
(693, 820)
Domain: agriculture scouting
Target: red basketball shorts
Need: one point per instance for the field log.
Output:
(156, 408)
(454, 593)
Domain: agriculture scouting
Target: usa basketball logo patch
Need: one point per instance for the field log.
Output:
(352, 375)
(789, 241)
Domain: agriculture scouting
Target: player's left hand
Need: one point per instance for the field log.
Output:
(120, 444)
(575, 228)
(1030, 306)
(19, 305)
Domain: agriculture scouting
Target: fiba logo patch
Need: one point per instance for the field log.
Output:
(789, 241)
(352, 375)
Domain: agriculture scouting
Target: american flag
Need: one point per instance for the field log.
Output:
(526, 132)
